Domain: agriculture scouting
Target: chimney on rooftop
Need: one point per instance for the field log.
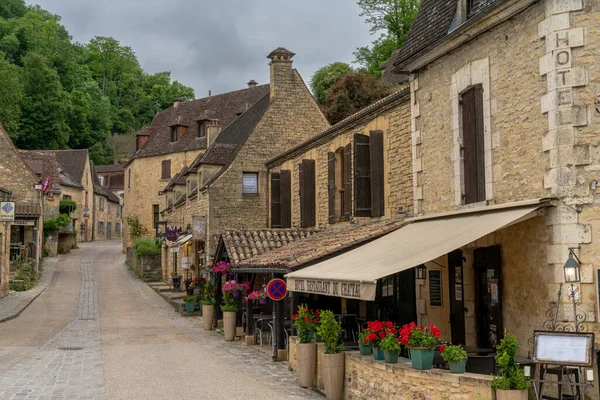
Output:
(282, 76)
(252, 83)
(176, 102)
(212, 131)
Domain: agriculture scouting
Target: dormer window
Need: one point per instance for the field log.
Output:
(201, 129)
(175, 133)
(470, 7)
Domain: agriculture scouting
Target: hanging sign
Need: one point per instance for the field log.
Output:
(277, 289)
(173, 233)
(46, 184)
(199, 227)
(7, 211)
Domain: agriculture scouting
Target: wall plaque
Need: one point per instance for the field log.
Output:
(435, 287)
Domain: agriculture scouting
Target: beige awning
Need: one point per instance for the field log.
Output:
(182, 240)
(354, 274)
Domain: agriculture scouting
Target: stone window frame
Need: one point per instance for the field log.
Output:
(256, 174)
(474, 73)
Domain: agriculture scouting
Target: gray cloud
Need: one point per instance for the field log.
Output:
(219, 45)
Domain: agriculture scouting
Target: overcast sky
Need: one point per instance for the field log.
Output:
(219, 45)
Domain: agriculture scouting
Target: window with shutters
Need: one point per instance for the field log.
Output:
(281, 199)
(275, 186)
(338, 168)
(166, 169)
(250, 183)
(307, 192)
(473, 153)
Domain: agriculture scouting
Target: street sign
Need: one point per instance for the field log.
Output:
(7, 211)
(277, 289)
(46, 184)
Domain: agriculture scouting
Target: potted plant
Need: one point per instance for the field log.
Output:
(190, 303)
(260, 295)
(378, 331)
(456, 357)
(236, 289)
(333, 358)
(363, 345)
(391, 347)
(222, 267)
(208, 305)
(305, 322)
(176, 278)
(229, 309)
(511, 384)
(420, 340)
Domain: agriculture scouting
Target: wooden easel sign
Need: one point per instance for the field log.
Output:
(563, 348)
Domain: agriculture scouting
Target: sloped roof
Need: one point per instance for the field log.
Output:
(178, 180)
(433, 23)
(110, 168)
(101, 190)
(320, 245)
(222, 107)
(72, 162)
(246, 243)
(389, 77)
(44, 163)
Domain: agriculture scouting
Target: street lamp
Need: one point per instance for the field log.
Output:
(572, 268)
(421, 271)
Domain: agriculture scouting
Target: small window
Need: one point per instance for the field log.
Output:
(250, 182)
(66, 197)
(155, 213)
(201, 129)
(5, 195)
(166, 169)
(174, 133)
(101, 179)
(108, 208)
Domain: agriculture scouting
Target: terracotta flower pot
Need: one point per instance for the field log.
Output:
(511, 394)
(208, 313)
(229, 325)
(306, 353)
(333, 375)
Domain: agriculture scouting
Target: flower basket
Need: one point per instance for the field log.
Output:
(264, 301)
(237, 293)
(390, 356)
(365, 349)
(422, 358)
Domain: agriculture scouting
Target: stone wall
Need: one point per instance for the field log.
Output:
(143, 182)
(78, 196)
(146, 268)
(374, 380)
(394, 121)
(107, 215)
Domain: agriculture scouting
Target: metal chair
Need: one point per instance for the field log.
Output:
(260, 329)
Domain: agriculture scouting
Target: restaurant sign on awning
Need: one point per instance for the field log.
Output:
(349, 290)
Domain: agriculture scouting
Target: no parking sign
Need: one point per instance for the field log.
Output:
(277, 289)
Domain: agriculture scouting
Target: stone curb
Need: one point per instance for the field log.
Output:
(47, 275)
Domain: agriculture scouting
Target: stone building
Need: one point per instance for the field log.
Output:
(21, 238)
(227, 186)
(112, 177)
(107, 213)
(175, 138)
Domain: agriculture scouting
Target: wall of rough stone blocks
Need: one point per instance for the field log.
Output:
(107, 216)
(142, 192)
(78, 196)
(394, 121)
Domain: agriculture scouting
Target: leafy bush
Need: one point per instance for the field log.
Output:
(136, 229)
(390, 343)
(67, 207)
(454, 353)
(511, 376)
(26, 272)
(329, 330)
(147, 247)
(55, 224)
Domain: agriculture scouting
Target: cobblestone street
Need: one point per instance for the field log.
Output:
(97, 332)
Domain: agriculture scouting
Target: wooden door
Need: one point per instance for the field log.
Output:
(457, 305)
(488, 296)
(85, 234)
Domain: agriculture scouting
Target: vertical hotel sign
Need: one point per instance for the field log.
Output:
(7, 211)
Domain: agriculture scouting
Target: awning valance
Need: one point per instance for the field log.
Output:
(354, 274)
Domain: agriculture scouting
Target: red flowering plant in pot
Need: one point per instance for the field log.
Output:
(420, 340)
(222, 267)
(378, 330)
(305, 322)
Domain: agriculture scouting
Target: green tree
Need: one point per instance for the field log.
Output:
(325, 77)
(394, 18)
(45, 107)
(11, 96)
(12, 8)
(352, 93)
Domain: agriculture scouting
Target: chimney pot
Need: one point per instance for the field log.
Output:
(252, 83)
(176, 102)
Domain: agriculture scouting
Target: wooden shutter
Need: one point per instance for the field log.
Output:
(166, 169)
(377, 178)
(347, 204)
(362, 176)
(307, 194)
(473, 150)
(275, 200)
(331, 189)
(301, 193)
(285, 176)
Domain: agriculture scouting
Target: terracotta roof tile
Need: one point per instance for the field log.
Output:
(306, 249)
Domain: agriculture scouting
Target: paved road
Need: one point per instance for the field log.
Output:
(99, 333)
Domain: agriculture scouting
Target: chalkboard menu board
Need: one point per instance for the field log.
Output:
(435, 287)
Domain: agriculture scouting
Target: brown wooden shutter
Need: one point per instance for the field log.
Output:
(275, 200)
(285, 176)
(362, 176)
(347, 201)
(301, 193)
(377, 178)
(331, 189)
(308, 194)
(473, 149)
(166, 169)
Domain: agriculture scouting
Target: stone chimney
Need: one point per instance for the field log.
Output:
(252, 83)
(213, 128)
(282, 75)
(176, 102)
